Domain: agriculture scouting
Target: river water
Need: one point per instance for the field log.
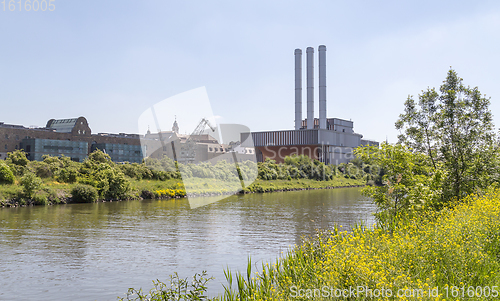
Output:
(97, 251)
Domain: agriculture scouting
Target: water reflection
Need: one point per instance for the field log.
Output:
(97, 251)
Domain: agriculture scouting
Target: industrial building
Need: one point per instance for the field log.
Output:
(69, 137)
(330, 140)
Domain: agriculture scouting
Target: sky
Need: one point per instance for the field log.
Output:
(111, 61)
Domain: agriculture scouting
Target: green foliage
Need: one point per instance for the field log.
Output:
(410, 183)
(30, 183)
(303, 167)
(177, 289)
(6, 174)
(98, 156)
(63, 169)
(454, 128)
(42, 169)
(67, 175)
(84, 194)
(17, 157)
(40, 198)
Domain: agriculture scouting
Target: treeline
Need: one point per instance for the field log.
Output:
(303, 167)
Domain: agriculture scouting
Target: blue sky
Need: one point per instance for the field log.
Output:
(111, 60)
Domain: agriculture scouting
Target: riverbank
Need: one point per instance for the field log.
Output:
(60, 193)
(453, 254)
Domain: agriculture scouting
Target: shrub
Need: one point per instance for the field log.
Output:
(40, 198)
(6, 174)
(42, 169)
(17, 157)
(67, 175)
(82, 193)
(147, 195)
(30, 183)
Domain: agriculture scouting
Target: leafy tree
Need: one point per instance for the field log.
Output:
(454, 127)
(410, 183)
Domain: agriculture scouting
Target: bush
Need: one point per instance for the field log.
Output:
(40, 198)
(67, 175)
(84, 194)
(42, 169)
(30, 183)
(17, 157)
(147, 195)
(6, 174)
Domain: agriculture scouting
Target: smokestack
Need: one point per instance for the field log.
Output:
(310, 87)
(322, 86)
(298, 89)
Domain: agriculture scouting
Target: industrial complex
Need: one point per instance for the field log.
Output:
(329, 140)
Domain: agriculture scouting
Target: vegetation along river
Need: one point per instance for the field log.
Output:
(97, 251)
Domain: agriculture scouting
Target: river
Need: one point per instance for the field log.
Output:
(97, 251)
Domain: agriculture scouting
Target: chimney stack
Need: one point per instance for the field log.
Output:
(298, 89)
(310, 87)
(322, 86)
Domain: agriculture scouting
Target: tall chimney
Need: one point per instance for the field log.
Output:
(322, 86)
(310, 87)
(298, 89)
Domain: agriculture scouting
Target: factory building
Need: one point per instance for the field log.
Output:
(329, 140)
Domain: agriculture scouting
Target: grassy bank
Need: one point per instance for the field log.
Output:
(54, 192)
(59, 180)
(454, 254)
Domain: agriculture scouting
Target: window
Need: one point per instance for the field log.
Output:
(6, 146)
(17, 137)
(6, 136)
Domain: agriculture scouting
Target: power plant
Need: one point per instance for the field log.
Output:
(330, 140)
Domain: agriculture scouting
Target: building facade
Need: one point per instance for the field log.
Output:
(36, 148)
(46, 140)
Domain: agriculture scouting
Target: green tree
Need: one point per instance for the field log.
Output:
(410, 182)
(454, 127)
